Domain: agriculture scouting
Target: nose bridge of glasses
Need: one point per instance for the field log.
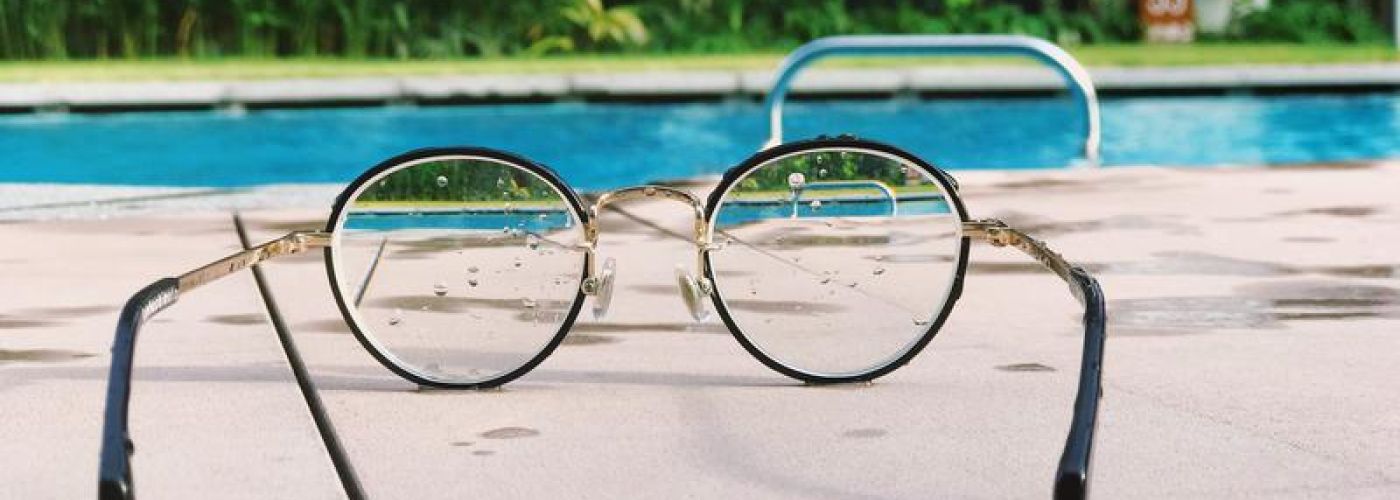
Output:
(643, 192)
(693, 288)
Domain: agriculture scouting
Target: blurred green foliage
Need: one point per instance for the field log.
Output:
(460, 180)
(428, 29)
(1312, 21)
(827, 166)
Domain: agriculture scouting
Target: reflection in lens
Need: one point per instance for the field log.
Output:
(835, 262)
(468, 266)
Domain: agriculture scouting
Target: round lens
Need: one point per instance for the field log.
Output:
(836, 262)
(459, 269)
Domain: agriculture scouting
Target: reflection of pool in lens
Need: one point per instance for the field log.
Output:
(735, 212)
(524, 219)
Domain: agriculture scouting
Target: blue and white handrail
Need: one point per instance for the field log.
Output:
(961, 45)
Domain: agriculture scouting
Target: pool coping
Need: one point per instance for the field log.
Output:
(670, 86)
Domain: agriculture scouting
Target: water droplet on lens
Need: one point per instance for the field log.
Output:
(442, 181)
(500, 183)
(510, 207)
(505, 229)
(879, 258)
(826, 280)
(920, 322)
(649, 191)
(797, 180)
(528, 303)
(440, 289)
(532, 242)
(396, 317)
(472, 282)
(851, 284)
(878, 271)
(544, 217)
(816, 205)
(473, 269)
(517, 262)
(821, 173)
(904, 170)
(821, 158)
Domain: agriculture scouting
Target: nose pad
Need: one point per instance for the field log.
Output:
(693, 292)
(602, 298)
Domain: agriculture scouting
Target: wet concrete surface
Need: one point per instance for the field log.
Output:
(1253, 319)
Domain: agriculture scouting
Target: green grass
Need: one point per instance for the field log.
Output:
(225, 69)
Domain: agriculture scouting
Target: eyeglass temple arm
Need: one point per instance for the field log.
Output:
(1072, 478)
(114, 479)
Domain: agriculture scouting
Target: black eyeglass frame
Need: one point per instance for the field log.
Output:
(1072, 476)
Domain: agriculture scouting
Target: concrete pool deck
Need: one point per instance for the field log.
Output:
(1252, 354)
(679, 85)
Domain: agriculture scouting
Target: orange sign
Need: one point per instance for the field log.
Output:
(1167, 20)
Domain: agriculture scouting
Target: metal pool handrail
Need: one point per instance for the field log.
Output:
(884, 189)
(962, 45)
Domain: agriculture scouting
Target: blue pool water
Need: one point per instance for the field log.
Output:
(734, 213)
(597, 146)
(535, 221)
(546, 220)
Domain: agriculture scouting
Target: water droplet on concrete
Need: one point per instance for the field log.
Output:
(472, 282)
(528, 303)
(396, 317)
(878, 271)
(510, 433)
(440, 289)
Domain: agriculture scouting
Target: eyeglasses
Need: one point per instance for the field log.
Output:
(832, 260)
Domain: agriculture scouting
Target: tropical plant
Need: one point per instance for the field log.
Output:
(53, 29)
(604, 25)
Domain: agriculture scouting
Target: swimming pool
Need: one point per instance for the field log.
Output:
(600, 146)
